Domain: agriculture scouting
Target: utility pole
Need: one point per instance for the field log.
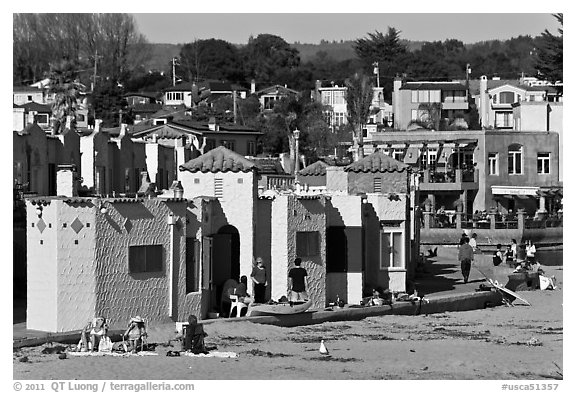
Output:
(468, 72)
(234, 102)
(95, 70)
(173, 71)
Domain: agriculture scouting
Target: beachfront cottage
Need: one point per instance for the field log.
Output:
(165, 258)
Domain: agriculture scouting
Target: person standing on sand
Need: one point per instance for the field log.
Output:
(260, 281)
(297, 277)
(466, 256)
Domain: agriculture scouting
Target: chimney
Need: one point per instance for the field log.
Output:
(66, 184)
(396, 102)
(212, 125)
(252, 86)
(484, 99)
(316, 92)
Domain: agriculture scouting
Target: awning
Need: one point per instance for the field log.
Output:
(445, 153)
(412, 154)
(512, 190)
(432, 146)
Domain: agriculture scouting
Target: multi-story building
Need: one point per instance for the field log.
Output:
(479, 169)
(270, 95)
(436, 102)
(336, 113)
(495, 99)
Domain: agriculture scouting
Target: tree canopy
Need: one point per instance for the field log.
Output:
(549, 54)
(266, 56)
(210, 59)
(359, 96)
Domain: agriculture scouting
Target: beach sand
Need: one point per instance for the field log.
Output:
(520, 342)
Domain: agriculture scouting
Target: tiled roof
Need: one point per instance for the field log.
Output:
(203, 126)
(22, 89)
(433, 86)
(278, 89)
(147, 94)
(219, 159)
(36, 107)
(146, 108)
(268, 165)
(377, 162)
(316, 169)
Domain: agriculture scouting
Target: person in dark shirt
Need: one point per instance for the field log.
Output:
(193, 339)
(466, 256)
(297, 276)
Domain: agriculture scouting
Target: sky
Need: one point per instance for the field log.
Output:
(311, 28)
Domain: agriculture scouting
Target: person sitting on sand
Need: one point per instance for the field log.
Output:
(193, 339)
(97, 329)
(135, 334)
(498, 256)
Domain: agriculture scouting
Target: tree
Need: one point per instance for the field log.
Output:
(107, 101)
(549, 54)
(386, 49)
(111, 40)
(267, 55)
(66, 89)
(359, 96)
(210, 59)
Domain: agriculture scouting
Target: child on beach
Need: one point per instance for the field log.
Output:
(135, 334)
(193, 339)
(499, 256)
(97, 329)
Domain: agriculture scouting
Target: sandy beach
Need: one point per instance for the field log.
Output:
(520, 342)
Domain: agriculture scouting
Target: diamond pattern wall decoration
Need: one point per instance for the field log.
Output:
(77, 225)
(41, 225)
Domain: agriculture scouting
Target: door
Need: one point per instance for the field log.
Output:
(221, 263)
(207, 270)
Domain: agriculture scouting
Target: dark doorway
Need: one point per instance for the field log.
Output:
(336, 250)
(225, 258)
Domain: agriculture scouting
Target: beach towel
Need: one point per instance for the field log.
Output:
(128, 354)
(213, 354)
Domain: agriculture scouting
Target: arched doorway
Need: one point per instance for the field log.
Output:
(225, 258)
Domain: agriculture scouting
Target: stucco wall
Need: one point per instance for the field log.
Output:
(263, 239)
(396, 182)
(76, 264)
(533, 143)
(336, 179)
(122, 294)
(42, 269)
(237, 206)
(279, 253)
(381, 208)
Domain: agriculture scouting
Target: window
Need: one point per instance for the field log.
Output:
(504, 120)
(493, 164)
(432, 156)
(210, 144)
(251, 148)
(391, 248)
(41, 118)
(414, 96)
(307, 244)
(145, 259)
(434, 96)
(515, 159)
(423, 96)
(326, 98)
(507, 97)
(192, 265)
(218, 188)
(338, 97)
(339, 118)
(377, 184)
(398, 154)
(414, 115)
(29, 98)
(544, 163)
(228, 144)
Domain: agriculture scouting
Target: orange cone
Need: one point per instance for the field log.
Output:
(323, 349)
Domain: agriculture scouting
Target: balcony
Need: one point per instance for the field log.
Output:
(459, 179)
(455, 103)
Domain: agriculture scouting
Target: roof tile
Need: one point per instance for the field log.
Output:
(377, 162)
(219, 159)
(316, 169)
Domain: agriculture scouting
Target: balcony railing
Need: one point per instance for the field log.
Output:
(456, 176)
(491, 220)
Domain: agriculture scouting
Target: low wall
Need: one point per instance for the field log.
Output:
(489, 237)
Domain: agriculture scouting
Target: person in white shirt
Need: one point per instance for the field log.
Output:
(473, 242)
(530, 251)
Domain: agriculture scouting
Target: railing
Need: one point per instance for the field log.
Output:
(456, 176)
(492, 221)
(279, 182)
